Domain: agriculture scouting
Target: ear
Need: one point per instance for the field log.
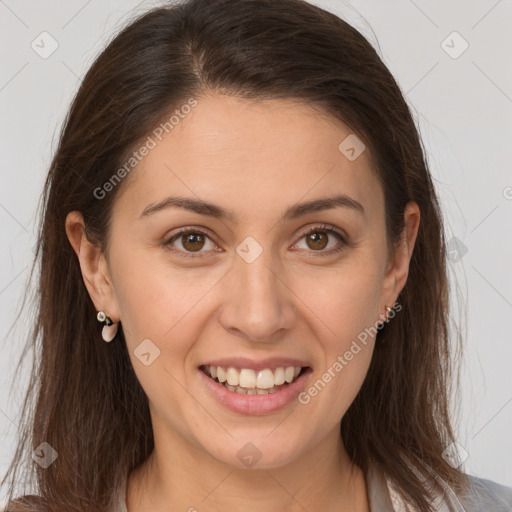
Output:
(93, 265)
(398, 267)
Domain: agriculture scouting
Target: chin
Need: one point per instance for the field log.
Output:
(256, 452)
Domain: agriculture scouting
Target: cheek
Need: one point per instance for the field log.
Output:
(158, 307)
(343, 300)
(162, 312)
(345, 363)
(344, 308)
(155, 296)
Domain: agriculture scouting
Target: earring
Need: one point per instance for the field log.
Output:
(109, 328)
(381, 325)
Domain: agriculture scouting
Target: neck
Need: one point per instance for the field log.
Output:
(178, 473)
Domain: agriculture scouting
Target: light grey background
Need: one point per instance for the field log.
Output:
(462, 105)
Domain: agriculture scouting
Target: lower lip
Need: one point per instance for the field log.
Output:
(254, 404)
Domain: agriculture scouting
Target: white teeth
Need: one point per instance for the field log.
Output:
(265, 379)
(289, 373)
(251, 391)
(233, 377)
(221, 373)
(279, 376)
(248, 379)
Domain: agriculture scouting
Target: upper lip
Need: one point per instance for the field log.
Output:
(245, 362)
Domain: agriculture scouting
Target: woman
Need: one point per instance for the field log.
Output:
(243, 292)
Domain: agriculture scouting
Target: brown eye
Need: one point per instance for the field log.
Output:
(193, 241)
(318, 238)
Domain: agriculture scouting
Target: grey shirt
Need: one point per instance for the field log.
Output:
(484, 496)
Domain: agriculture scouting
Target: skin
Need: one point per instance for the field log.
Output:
(256, 158)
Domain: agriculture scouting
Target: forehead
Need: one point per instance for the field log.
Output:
(250, 156)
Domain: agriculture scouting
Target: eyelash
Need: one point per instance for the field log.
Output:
(321, 227)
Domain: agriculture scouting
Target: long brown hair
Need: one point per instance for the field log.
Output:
(84, 399)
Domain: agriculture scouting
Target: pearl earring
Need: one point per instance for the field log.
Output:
(109, 328)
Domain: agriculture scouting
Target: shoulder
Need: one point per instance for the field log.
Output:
(486, 495)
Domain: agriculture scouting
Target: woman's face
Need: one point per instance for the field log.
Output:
(249, 290)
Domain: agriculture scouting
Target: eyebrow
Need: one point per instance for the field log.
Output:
(293, 212)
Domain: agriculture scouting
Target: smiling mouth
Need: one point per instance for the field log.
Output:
(246, 381)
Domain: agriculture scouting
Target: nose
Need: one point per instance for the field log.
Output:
(258, 304)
